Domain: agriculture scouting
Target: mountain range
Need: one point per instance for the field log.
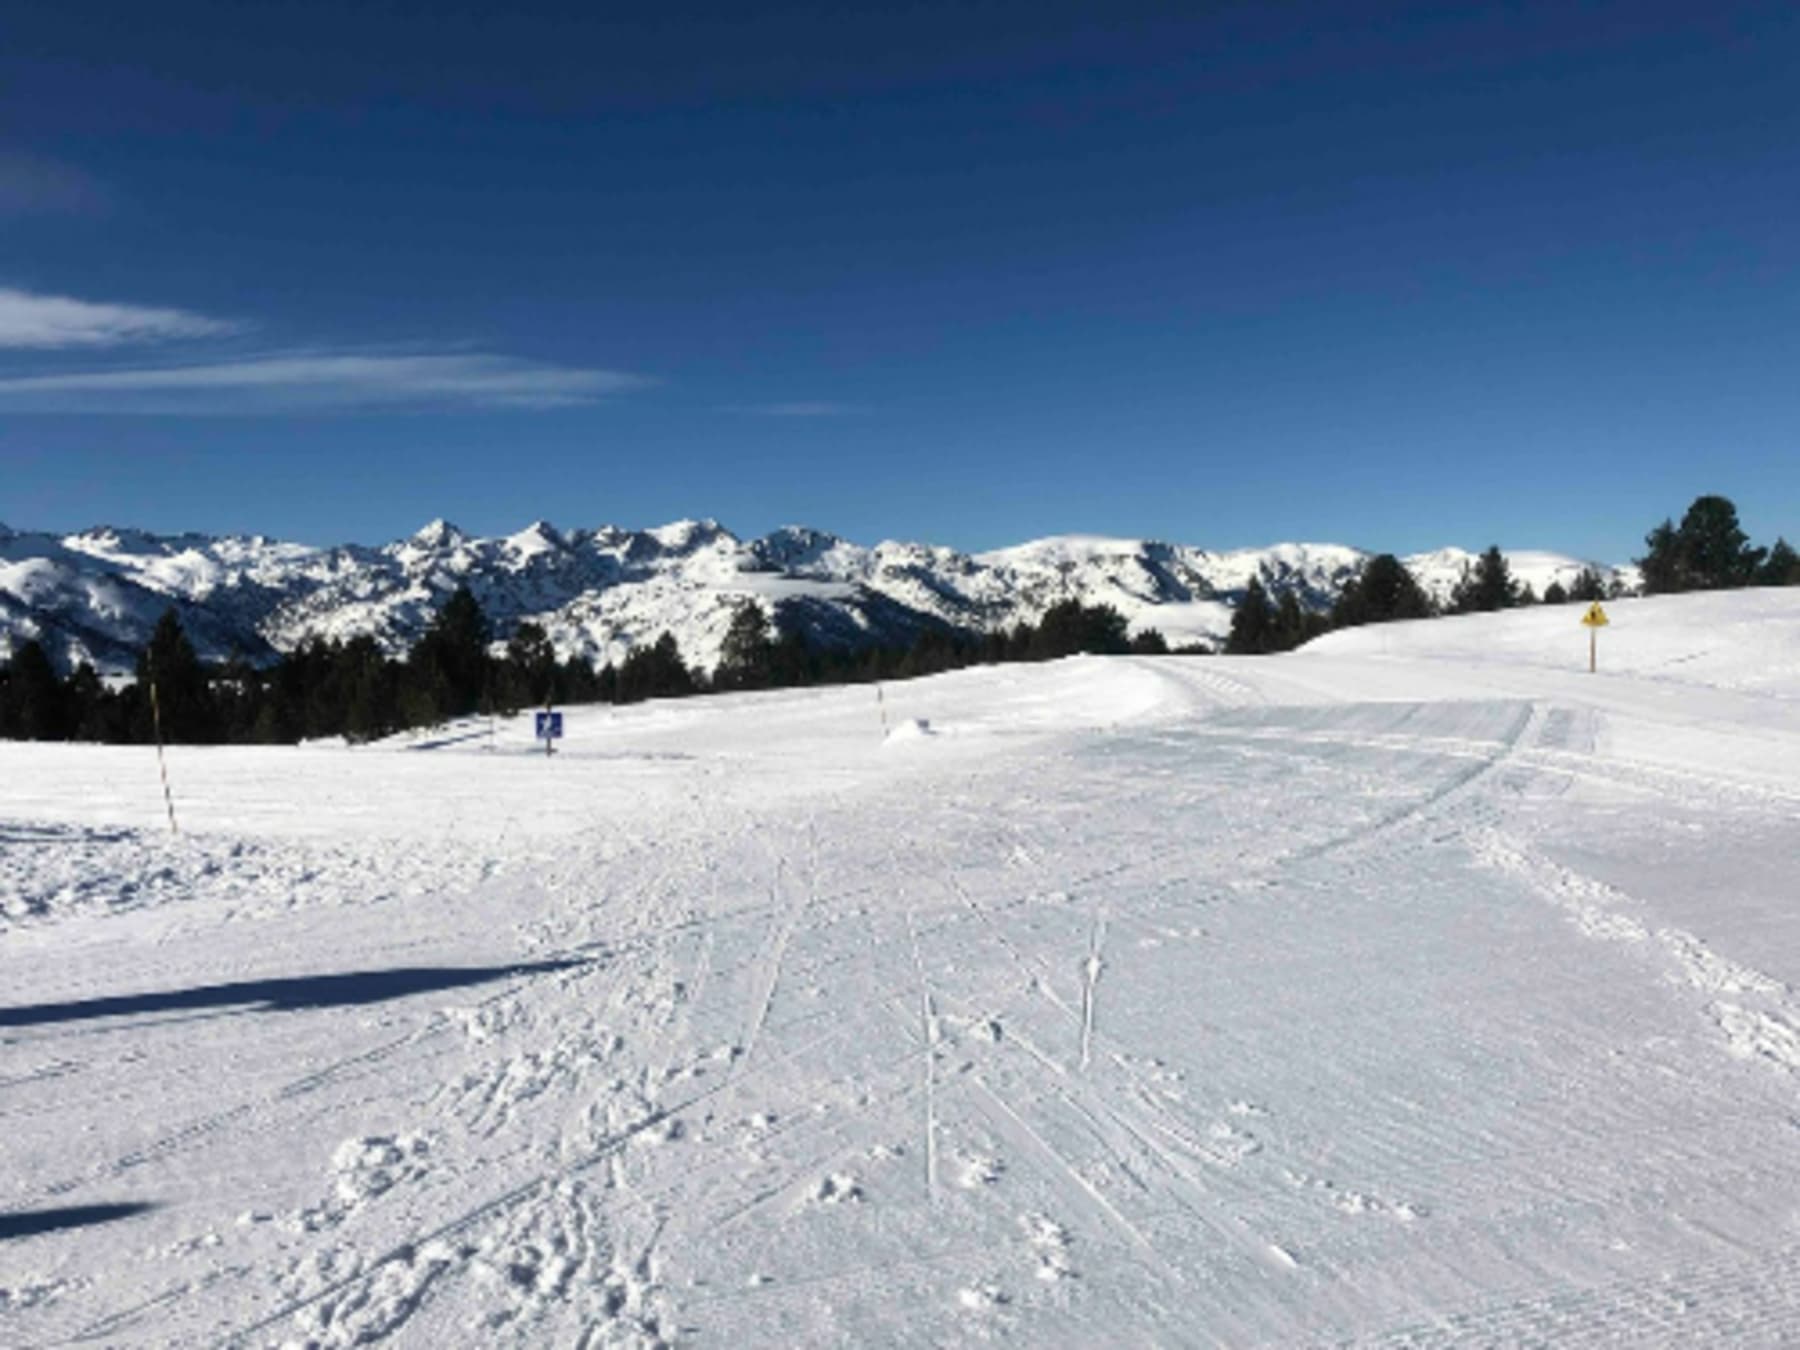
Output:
(95, 596)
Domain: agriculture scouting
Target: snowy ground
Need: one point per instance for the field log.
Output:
(1416, 989)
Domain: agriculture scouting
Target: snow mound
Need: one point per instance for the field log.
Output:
(912, 729)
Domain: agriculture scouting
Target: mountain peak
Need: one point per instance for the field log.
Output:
(438, 533)
(684, 535)
(603, 591)
(539, 534)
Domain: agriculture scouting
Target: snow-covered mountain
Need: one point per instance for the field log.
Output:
(94, 596)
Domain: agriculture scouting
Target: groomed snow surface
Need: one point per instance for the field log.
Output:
(1415, 989)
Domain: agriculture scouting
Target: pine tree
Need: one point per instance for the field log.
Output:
(96, 712)
(1781, 567)
(1253, 628)
(530, 665)
(1150, 642)
(370, 692)
(35, 706)
(1069, 627)
(1556, 593)
(747, 656)
(1290, 622)
(1487, 586)
(792, 662)
(1383, 591)
(1587, 586)
(449, 666)
(183, 702)
(655, 671)
(1715, 551)
(1663, 567)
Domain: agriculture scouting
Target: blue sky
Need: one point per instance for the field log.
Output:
(1395, 275)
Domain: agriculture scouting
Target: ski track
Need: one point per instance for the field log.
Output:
(723, 1114)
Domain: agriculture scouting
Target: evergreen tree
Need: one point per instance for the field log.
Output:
(792, 661)
(370, 691)
(530, 678)
(1383, 591)
(1556, 594)
(1069, 627)
(655, 671)
(183, 699)
(97, 713)
(933, 651)
(425, 698)
(1715, 552)
(1150, 642)
(1587, 586)
(747, 656)
(1290, 622)
(1253, 628)
(1663, 568)
(237, 696)
(35, 706)
(449, 666)
(1487, 586)
(1781, 567)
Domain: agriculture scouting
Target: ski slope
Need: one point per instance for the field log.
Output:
(1414, 989)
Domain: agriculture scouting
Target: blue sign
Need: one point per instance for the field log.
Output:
(549, 726)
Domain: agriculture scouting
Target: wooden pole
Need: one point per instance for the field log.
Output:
(1593, 645)
(162, 766)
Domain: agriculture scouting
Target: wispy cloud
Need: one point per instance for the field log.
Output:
(31, 185)
(800, 409)
(56, 322)
(317, 381)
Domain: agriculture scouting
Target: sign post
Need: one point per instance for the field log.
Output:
(549, 730)
(1594, 620)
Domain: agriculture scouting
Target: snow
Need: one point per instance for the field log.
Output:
(1438, 572)
(599, 593)
(1417, 988)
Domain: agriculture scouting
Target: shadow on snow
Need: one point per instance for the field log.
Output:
(31, 1222)
(280, 995)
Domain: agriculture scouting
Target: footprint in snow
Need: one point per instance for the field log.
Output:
(975, 1170)
(837, 1189)
(366, 1168)
(1050, 1241)
(983, 1296)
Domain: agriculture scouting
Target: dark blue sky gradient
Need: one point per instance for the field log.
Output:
(1396, 275)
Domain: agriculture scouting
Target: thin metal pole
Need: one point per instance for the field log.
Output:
(162, 764)
(1593, 645)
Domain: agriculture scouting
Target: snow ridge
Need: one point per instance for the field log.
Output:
(95, 595)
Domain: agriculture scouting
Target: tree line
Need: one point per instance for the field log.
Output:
(351, 688)
(1707, 551)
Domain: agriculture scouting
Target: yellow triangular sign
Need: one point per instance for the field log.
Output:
(1595, 617)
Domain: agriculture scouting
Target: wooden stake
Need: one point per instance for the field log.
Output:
(162, 765)
(1593, 644)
